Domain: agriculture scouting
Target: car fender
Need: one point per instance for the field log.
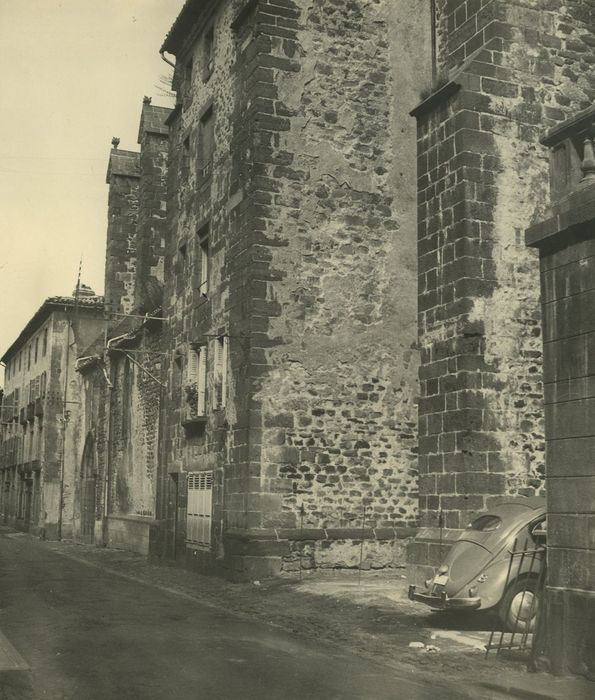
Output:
(493, 580)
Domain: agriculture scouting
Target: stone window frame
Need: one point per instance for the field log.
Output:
(203, 238)
(187, 78)
(207, 116)
(208, 51)
(243, 25)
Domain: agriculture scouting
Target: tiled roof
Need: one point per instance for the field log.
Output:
(126, 163)
(189, 14)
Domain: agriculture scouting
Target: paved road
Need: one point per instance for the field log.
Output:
(87, 634)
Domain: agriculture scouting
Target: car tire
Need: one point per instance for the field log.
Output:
(518, 608)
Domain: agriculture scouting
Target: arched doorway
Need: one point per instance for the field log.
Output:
(88, 491)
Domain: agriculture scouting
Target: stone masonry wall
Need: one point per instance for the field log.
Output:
(200, 202)
(152, 222)
(338, 400)
(134, 421)
(120, 257)
(521, 66)
(312, 274)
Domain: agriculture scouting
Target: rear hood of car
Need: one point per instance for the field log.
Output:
(465, 561)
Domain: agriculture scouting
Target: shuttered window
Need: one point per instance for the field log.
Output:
(196, 381)
(221, 354)
(199, 509)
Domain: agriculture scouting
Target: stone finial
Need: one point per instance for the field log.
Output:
(147, 100)
(115, 142)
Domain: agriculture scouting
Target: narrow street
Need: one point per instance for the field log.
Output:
(87, 634)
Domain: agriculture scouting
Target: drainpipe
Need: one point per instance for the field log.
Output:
(164, 58)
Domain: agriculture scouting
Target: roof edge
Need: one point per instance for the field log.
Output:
(49, 305)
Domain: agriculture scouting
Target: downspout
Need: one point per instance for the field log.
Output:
(164, 58)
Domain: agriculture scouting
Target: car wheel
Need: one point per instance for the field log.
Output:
(518, 608)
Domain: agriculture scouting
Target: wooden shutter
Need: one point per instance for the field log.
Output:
(221, 354)
(202, 380)
(199, 508)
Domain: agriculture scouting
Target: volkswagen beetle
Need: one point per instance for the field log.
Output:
(495, 564)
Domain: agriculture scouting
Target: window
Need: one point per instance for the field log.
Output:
(186, 157)
(20, 357)
(538, 532)
(199, 508)
(221, 354)
(205, 263)
(485, 523)
(29, 358)
(44, 347)
(206, 142)
(209, 52)
(36, 348)
(187, 88)
(195, 386)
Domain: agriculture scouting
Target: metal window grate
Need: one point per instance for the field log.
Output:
(199, 509)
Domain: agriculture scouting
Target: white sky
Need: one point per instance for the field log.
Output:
(73, 74)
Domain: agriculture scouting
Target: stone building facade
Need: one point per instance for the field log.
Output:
(566, 243)
(506, 69)
(290, 416)
(39, 412)
(117, 460)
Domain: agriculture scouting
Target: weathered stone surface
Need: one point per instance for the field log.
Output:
(481, 181)
(310, 204)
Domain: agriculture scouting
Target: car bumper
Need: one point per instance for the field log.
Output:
(443, 602)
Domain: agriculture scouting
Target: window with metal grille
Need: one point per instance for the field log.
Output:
(199, 508)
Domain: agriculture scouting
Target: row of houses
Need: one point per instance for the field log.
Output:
(306, 341)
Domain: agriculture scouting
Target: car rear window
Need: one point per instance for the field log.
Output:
(486, 523)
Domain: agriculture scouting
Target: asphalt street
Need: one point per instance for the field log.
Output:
(86, 634)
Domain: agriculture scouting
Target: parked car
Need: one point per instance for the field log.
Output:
(495, 564)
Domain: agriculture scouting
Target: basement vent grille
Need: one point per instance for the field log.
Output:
(200, 503)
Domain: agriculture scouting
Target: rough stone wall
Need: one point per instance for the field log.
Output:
(521, 66)
(196, 201)
(151, 219)
(312, 275)
(338, 401)
(120, 258)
